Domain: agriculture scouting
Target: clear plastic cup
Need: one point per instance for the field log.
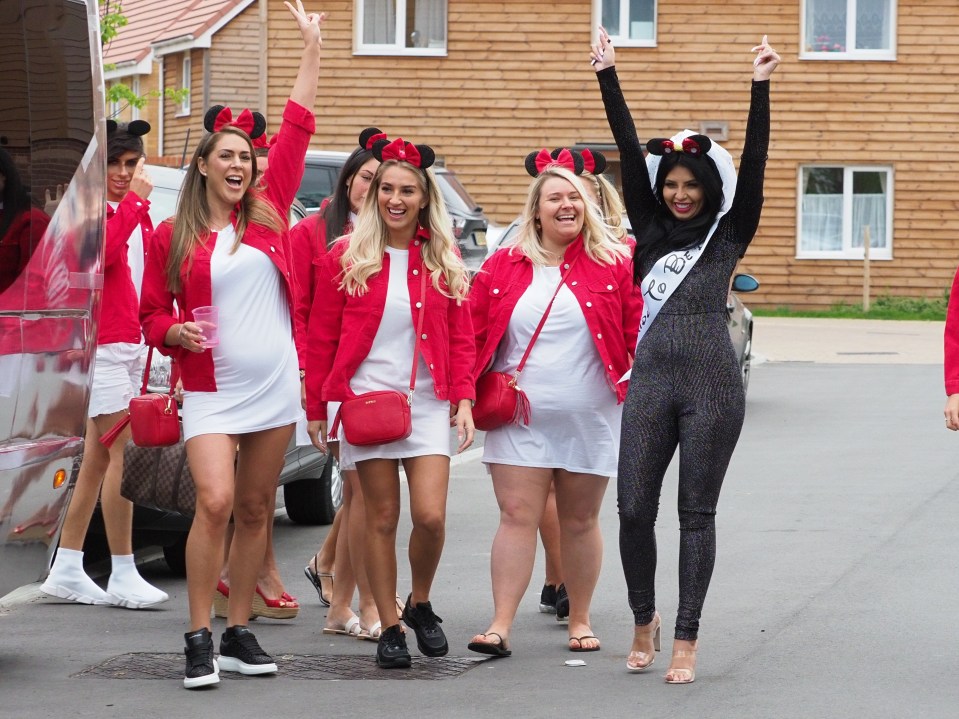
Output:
(207, 318)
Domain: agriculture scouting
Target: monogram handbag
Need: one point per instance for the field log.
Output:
(159, 478)
(385, 415)
(153, 417)
(499, 399)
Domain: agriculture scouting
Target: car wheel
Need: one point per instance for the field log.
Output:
(315, 501)
(175, 556)
(747, 360)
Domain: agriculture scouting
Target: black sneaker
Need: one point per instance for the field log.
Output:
(391, 651)
(426, 625)
(562, 605)
(547, 599)
(201, 667)
(240, 652)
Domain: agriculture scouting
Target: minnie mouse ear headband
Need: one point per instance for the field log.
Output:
(421, 156)
(576, 161)
(370, 136)
(137, 128)
(694, 145)
(220, 116)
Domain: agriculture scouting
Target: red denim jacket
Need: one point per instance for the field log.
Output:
(611, 303)
(342, 328)
(308, 245)
(951, 363)
(281, 181)
(118, 310)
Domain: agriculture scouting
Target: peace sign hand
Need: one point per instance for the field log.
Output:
(309, 23)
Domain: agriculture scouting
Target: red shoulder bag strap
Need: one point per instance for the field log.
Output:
(539, 327)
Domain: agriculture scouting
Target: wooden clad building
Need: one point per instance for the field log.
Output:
(866, 92)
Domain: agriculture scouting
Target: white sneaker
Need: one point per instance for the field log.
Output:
(71, 582)
(134, 592)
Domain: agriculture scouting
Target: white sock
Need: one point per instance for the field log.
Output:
(128, 588)
(68, 580)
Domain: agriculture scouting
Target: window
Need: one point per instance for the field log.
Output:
(400, 27)
(849, 30)
(186, 74)
(628, 22)
(837, 207)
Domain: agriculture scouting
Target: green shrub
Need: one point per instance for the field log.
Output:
(882, 308)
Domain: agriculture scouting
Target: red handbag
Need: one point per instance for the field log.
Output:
(153, 417)
(499, 399)
(385, 415)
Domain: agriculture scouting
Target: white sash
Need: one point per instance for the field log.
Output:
(669, 271)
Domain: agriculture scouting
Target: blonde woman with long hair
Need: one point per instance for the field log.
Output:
(361, 338)
(563, 249)
(228, 246)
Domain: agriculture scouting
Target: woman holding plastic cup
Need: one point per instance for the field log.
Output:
(228, 247)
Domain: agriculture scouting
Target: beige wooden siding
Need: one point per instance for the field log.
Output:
(176, 126)
(517, 77)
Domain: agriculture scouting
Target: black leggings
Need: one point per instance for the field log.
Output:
(698, 407)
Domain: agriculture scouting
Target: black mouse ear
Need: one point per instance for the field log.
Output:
(259, 125)
(531, 163)
(658, 146)
(700, 145)
(377, 148)
(209, 119)
(427, 156)
(138, 127)
(578, 164)
(111, 126)
(595, 162)
(368, 135)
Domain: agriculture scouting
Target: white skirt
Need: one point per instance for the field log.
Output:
(117, 375)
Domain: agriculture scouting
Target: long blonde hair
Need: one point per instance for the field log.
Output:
(599, 241)
(363, 257)
(191, 224)
(610, 205)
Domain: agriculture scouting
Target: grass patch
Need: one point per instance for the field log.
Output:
(882, 308)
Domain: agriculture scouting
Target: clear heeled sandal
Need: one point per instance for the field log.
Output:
(682, 675)
(641, 661)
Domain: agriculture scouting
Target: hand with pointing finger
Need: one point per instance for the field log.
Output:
(766, 60)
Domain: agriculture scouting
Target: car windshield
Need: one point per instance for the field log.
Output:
(455, 194)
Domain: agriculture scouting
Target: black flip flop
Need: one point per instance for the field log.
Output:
(581, 648)
(493, 649)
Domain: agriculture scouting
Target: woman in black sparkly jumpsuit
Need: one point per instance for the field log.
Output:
(689, 208)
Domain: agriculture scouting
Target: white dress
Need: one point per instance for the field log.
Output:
(257, 373)
(575, 420)
(388, 365)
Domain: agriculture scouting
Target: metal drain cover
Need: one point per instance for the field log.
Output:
(141, 665)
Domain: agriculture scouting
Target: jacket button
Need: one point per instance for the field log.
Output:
(416, 272)
(139, 204)
(609, 287)
(423, 336)
(431, 365)
(589, 304)
(609, 367)
(416, 243)
(566, 266)
(574, 283)
(496, 291)
(599, 335)
(272, 248)
(418, 305)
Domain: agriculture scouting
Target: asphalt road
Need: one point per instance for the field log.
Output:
(833, 594)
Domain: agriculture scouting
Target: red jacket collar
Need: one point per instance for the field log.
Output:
(574, 250)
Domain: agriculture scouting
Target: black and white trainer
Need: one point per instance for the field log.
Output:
(562, 605)
(391, 651)
(547, 599)
(201, 667)
(240, 652)
(426, 625)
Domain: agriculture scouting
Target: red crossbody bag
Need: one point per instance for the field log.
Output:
(153, 418)
(499, 399)
(385, 415)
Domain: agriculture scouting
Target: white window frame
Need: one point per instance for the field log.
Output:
(886, 54)
(398, 46)
(186, 78)
(624, 40)
(848, 251)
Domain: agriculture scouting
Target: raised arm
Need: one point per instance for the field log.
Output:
(637, 192)
(748, 202)
(304, 87)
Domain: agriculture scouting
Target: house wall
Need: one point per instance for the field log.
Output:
(176, 126)
(517, 78)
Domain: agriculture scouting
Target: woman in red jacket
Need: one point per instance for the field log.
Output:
(399, 267)
(342, 549)
(116, 379)
(571, 380)
(228, 246)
